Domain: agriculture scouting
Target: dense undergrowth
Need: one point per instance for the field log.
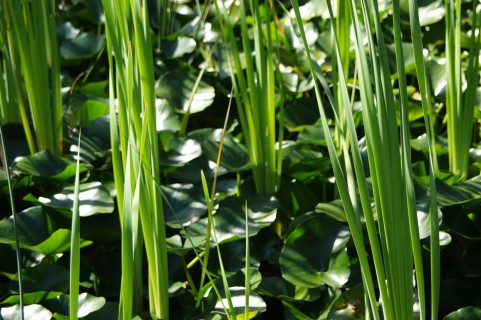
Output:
(240, 159)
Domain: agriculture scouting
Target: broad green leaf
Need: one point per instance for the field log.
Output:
(315, 253)
(176, 87)
(349, 305)
(45, 164)
(109, 310)
(93, 198)
(178, 47)
(279, 288)
(31, 312)
(177, 151)
(294, 82)
(430, 11)
(95, 143)
(452, 195)
(230, 219)
(31, 297)
(32, 227)
(66, 30)
(305, 164)
(83, 46)
(464, 314)
(333, 209)
(312, 135)
(87, 107)
(184, 204)
(235, 156)
(256, 303)
(167, 119)
(299, 114)
(87, 304)
(15, 142)
(44, 277)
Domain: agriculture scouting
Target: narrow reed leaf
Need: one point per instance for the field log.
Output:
(427, 110)
(75, 242)
(18, 253)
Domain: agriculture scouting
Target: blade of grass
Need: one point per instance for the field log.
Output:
(129, 38)
(18, 252)
(210, 199)
(75, 242)
(254, 90)
(33, 40)
(351, 216)
(427, 110)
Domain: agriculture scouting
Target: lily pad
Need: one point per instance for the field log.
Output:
(31, 312)
(177, 87)
(45, 164)
(167, 119)
(33, 233)
(234, 157)
(279, 288)
(93, 198)
(230, 221)
(177, 151)
(87, 304)
(315, 253)
(178, 47)
(184, 204)
(85, 45)
(465, 313)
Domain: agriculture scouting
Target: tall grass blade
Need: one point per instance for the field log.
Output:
(460, 111)
(254, 90)
(129, 38)
(18, 252)
(75, 242)
(32, 41)
(433, 209)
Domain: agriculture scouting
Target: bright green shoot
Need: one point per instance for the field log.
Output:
(4, 160)
(254, 90)
(135, 156)
(390, 217)
(460, 111)
(75, 243)
(29, 42)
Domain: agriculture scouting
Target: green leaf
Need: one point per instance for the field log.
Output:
(176, 87)
(465, 313)
(32, 227)
(87, 304)
(83, 46)
(279, 288)
(315, 252)
(178, 47)
(93, 198)
(184, 204)
(349, 305)
(31, 312)
(230, 219)
(167, 119)
(303, 163)
(177, 151)
(45, 164)
(44, 277)
(299, 114)
(235, 156)
(95, 143)
(333, 209)
(31, 297)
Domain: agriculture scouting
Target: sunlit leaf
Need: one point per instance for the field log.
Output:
(93, 198)
(177, 86)
(315, 253)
